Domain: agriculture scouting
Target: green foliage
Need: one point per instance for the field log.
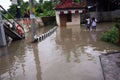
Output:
(117, 20)
(38, 8)
(47, 5)
(41, 9)
(110, 36)
(24, 7)
(45, 9)
(12, 10)
(7, 16)
(77, 1)
(40, 1)
(47, 13)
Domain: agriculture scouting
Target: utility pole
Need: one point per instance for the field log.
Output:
(32, 18)
(2, 33)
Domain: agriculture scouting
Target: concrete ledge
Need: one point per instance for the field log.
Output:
(44, 35)
(111, 65)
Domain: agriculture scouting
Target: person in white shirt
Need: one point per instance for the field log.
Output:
(88, 23)
(94, 23)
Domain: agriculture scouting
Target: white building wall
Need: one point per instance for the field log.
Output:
(75, 20)
(75, 17)
(57, 18)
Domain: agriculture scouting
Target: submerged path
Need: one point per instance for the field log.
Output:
(69, 53)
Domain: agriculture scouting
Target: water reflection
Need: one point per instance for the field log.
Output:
(70, 53)
(37, 62)
(74, 42)
(9, 63)
(21, 62)
(65, 56)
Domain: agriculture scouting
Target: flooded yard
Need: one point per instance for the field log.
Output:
(70, 53)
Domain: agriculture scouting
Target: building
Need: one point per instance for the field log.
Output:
(68, 13)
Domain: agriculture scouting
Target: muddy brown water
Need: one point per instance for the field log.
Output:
(70, 53)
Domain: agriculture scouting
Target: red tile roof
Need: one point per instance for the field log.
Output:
(68, 4)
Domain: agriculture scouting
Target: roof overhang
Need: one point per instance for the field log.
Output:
(71, 11)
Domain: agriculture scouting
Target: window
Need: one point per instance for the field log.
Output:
(69, 18)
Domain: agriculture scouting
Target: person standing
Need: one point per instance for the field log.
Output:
(88, 23)
(94, 23)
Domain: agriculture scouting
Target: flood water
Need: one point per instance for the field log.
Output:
(70, 53)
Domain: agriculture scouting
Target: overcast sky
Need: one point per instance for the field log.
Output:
(7, 3)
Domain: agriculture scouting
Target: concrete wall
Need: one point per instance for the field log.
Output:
(115, 14)
(2, 34)
(105, 16)
(57, 19)
(75, 20)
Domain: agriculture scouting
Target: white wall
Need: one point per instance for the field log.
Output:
(75, 20)
(57, 18)
(75, 17)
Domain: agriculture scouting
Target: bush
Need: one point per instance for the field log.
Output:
(117, 20)
(49, 20)
(110, 36)
(47, 13)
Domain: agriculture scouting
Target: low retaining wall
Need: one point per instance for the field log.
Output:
(44, 35)
(105, 16)
(101, 16)
(111, 65)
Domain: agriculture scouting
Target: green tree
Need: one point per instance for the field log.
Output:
(24, 7)
(41, 1)
(38, 9)
(12, 10)
(41, 9)
(77, 1)
(47, 8)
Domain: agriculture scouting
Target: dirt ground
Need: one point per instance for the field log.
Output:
(111, 66)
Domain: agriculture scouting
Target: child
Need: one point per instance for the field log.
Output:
(88, 23)
(94, 23)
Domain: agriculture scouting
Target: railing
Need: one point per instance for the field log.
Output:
(11, 18)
